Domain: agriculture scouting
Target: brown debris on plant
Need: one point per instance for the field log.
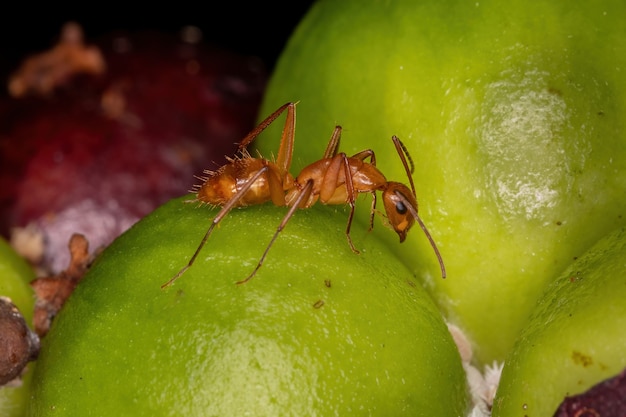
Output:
(52, 292)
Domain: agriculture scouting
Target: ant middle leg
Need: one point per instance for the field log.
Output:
(367, 153)
(351, 198)
(338, 174)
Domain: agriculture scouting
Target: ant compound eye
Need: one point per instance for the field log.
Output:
(400, 207)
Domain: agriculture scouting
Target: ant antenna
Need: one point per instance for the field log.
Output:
(405, 151)
(431, 240)
(404, 156)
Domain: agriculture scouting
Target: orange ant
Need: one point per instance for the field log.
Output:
(334, 179)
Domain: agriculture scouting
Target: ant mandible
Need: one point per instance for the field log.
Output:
(334, 179)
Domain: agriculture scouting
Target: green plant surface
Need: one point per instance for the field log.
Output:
(575, 337)
(513, 114)
(15, 275)
(318, 331)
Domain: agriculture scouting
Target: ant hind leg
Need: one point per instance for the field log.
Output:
(218, 218)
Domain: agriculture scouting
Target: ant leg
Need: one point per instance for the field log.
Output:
(333, 143)
(372, 211)
(363, 155)
(408, 205)
(222, 213)
(330, 184)
(285, 151)
(351, 197)
(303, 195)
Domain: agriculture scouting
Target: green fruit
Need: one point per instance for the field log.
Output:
(575, 337)
(318, 331)
(15, 275)
(513, 114)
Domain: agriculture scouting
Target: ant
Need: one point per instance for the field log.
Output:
(334, 179)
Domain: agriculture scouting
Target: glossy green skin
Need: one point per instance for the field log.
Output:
(123, 346)
(575, 337)
(15, 275)
(514, 116)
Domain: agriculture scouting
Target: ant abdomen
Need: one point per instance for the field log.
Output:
(221, 186)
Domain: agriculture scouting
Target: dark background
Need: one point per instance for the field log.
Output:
(251, 28)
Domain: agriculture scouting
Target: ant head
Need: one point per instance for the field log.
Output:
(397, 198)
